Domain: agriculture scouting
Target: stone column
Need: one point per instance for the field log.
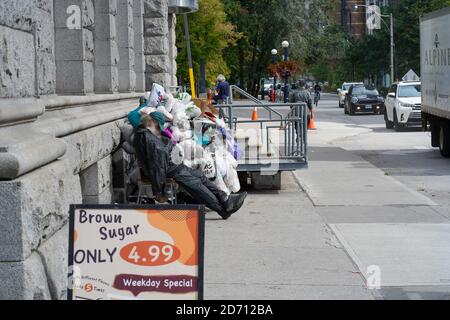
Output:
(139, 67)
(173, 51)
(74, 46)
(156, 48)
(125, 35)
(106, 60)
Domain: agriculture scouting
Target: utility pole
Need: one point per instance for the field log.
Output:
(392, 48)
(188, 48)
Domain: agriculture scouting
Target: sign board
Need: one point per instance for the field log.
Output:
(411, 76)
(121, 252)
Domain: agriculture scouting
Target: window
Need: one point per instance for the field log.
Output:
(409, 91)
(363, 90)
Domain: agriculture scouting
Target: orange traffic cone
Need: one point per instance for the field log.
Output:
(255, 114)
(311, 124)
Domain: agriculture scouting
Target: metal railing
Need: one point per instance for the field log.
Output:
(235, 89)
(291, 133)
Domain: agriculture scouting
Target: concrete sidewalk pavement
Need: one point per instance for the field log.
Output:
(278, 247)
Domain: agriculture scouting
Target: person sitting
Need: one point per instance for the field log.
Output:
(155, 152)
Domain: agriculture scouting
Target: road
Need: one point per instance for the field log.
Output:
(372, 209)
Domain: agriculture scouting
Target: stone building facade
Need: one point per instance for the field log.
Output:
(70, 71)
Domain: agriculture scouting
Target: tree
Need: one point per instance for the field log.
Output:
(210, 33)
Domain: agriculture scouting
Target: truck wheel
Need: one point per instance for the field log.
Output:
(435, 129)
(389, 124)
(444, 139)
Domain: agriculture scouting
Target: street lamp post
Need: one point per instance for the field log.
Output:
(391, 29)
(274, 61)
(285, 46)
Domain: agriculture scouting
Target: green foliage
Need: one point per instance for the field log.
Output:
(370, 56)
(236, 37)
(210, 33)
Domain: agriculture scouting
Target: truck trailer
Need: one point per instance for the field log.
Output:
(435, 77)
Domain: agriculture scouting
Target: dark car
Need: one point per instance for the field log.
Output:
(363, 99)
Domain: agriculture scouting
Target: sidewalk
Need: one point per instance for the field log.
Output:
(278, 247)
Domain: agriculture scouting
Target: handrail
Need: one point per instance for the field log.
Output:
(244, 93)
(255, 100)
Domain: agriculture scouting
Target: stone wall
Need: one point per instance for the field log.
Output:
(157, 43)
(70, 71)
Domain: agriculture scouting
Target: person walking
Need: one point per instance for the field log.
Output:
(303, 95)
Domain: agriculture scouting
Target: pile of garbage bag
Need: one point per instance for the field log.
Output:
(202, 140)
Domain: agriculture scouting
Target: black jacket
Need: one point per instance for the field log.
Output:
(154, 156)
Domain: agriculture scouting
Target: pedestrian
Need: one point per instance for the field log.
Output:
(222, 90)
(303, 95)
(154, 152)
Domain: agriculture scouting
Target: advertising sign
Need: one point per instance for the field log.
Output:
(122, 252)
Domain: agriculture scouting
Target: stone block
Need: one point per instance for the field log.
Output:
(74, 77)
(158, 63)
(127, 80)
(155, 26)
(156, 45)
(138, 8)
(155, 8)
(46, 5)
(53, 253)
(38, 202)
(24, 280)
(126, 59)
(17, 67)
(46, 73)
(89, 45)
(62, 14)
(89, 146)
(17, 14)
(88, 14)
(140, 82)
(107, 53)
(73, 45)
(106, 79)
(125, 38)
(96, 178)
(106, 197)
(105, 26)
(163, 79)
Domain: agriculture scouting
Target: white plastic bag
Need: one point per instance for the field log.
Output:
(193, 111)
(207, 165)
(147, 110)
(184, 97)
(231, 179)
(221, 184)
(156, 96)
(168, 102)
(167, 115)
(181, 135)
(178, 106)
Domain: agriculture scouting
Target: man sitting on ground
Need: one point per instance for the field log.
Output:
(155, 151)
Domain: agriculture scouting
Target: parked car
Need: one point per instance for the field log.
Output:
(364, 99)
(343, 91)
(403, 105)
(267, 83)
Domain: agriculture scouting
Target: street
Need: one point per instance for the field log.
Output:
(369, 219)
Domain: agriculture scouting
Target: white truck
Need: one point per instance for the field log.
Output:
(435, 77)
